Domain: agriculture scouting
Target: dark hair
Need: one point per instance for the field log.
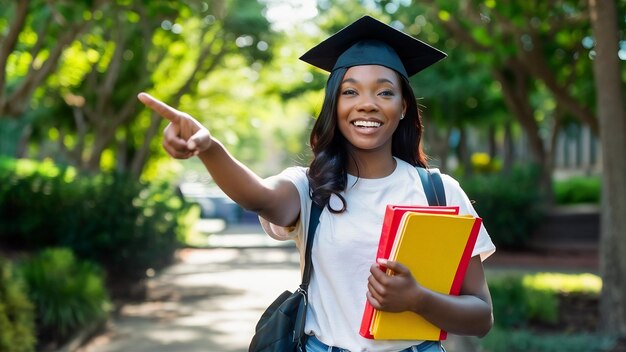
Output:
(328, 173)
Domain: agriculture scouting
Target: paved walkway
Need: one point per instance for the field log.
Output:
(210, 299)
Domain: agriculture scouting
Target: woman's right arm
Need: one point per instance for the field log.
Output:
(274, 198)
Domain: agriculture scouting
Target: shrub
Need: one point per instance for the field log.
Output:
(515, 303)
(501, 340)
(67, 293)
(585, 283)
(484, 164)
(123, 224)
(126, 226)
(34, 199)
(510, 204)
(17, 327)
(519, 301)
(576, 190)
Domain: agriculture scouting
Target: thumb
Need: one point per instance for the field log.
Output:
(199, 141)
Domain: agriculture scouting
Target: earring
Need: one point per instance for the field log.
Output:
(402, 116)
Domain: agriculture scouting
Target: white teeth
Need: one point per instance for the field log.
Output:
(366, 124)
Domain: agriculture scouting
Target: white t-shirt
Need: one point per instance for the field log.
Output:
(345, 247)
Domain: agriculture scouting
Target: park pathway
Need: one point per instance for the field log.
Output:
(210, 299)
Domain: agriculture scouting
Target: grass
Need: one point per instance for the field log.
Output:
(564, 283)
(522, 299)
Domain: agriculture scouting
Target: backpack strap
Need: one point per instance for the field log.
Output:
(433, 186)
(314, 219)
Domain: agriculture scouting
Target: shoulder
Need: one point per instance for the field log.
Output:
(454, 192)
(449, 182)
(452, 187)
(295, 170)
(295, 174)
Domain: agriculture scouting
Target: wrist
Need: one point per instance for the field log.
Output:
(420, 301)
(211, 148)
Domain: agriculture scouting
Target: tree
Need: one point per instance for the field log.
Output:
(48, 29)
(612, 117)
(531, 48)
(85, 110)
(453, 100)
(35, 33)
(450, 100)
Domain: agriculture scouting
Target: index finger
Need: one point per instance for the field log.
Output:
(377, 274)
(394, 266)
(159, 107)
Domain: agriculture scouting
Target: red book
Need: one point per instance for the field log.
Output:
(393, 217)
(445, 243)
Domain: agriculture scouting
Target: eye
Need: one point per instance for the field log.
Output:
(348, 91)
(387, 93)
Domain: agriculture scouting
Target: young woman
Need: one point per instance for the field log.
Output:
(366, 144)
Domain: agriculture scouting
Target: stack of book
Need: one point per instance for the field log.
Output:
(436, 244)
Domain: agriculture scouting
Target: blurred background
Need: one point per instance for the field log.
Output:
(527, 112)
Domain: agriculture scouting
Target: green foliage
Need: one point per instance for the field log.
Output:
(502, 340)
(192, 236)
(483, 163)
(578, 189)
(10, 135)
(520, 299)
(510, 204)
(515, 304)
(126, 226)
(565, 283)
(17, 327)
(108, 51)
(68, 293)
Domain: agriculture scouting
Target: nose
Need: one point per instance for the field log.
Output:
(366, 104)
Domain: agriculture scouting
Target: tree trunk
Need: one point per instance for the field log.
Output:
(7, 45)
(463, 152)
(143, 153)
(508, 150)
(492, 145)
(515, 92)
(435, 141)
(535, 63)
(612, 117)
(515, 89)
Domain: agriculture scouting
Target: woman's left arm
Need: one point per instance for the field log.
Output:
(469, 313)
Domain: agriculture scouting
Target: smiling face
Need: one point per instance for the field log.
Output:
(369, 107)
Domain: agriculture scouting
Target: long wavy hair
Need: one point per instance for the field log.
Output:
(328, 173)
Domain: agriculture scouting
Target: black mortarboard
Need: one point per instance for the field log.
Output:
(368, 41)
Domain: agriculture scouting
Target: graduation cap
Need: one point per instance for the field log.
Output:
(368, 41)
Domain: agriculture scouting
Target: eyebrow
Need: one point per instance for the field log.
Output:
(380, 80)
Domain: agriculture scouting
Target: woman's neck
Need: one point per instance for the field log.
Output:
(371, 165)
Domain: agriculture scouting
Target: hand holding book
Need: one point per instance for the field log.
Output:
(435, 248)
(391, 292)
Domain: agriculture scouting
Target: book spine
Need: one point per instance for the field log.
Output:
(384, 233)
(366, 322)
(457, 282)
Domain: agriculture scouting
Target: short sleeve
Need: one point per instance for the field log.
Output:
(456, 196)
(297, 176)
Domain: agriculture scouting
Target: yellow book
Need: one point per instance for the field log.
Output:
(437, 249)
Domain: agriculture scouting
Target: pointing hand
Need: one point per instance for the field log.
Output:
(184, 136)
